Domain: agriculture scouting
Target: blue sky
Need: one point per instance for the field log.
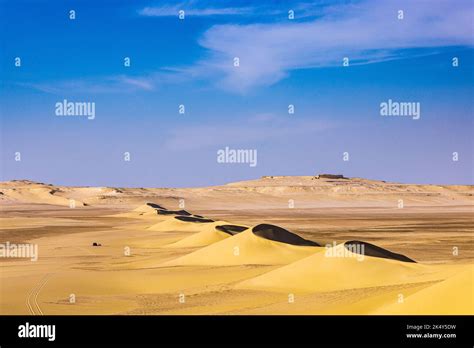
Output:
(190, 62)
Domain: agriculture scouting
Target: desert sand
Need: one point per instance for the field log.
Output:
(274, 245)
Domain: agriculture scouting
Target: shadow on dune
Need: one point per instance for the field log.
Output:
(279, 234)
(156, 206)
(173, 212)
(356, 246)
(193, 219)
(231, 229)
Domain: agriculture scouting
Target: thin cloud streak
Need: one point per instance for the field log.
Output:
(108, 84)
(365, 33)
(168, 11)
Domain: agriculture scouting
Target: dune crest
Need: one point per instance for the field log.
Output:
(231, 229)
(173, 212)
(155, 206)
(194, 219)
(245, 248)
(208, 235)
(147, 208)
(375, 251)
(172, 223)
(279, 234)
(337, 269)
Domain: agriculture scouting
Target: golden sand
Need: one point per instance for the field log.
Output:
(155, 264)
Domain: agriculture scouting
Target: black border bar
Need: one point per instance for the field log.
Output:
(242, 330)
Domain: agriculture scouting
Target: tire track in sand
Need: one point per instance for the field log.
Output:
(32, 297)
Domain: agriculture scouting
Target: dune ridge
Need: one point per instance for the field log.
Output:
(231, 265)
(279, 234)
(245, 248)
(173, 212)
(209, 234)
(194, 219)
(337, 268)
(231, 229)
(374, 251)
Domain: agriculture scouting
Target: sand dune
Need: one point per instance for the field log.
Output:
(194, 219)
(173, 223)
(245, 248)
(40, 194)
(200, 239)
(147, 208)
(455, 295)
(337, 269)
(207, 236)
(279, 234)
(228, 268)
(167, 220)
(155, 206)
(173, 212)
(27, 191)
(374, 251)
(231, 229)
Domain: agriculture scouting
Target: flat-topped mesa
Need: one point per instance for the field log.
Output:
(330, 176)
(275, 176)
(319, 176)
(29, 182)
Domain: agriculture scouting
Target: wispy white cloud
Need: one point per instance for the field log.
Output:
(365, 32)
(191, 9)
(139, 83)
(108, 84)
